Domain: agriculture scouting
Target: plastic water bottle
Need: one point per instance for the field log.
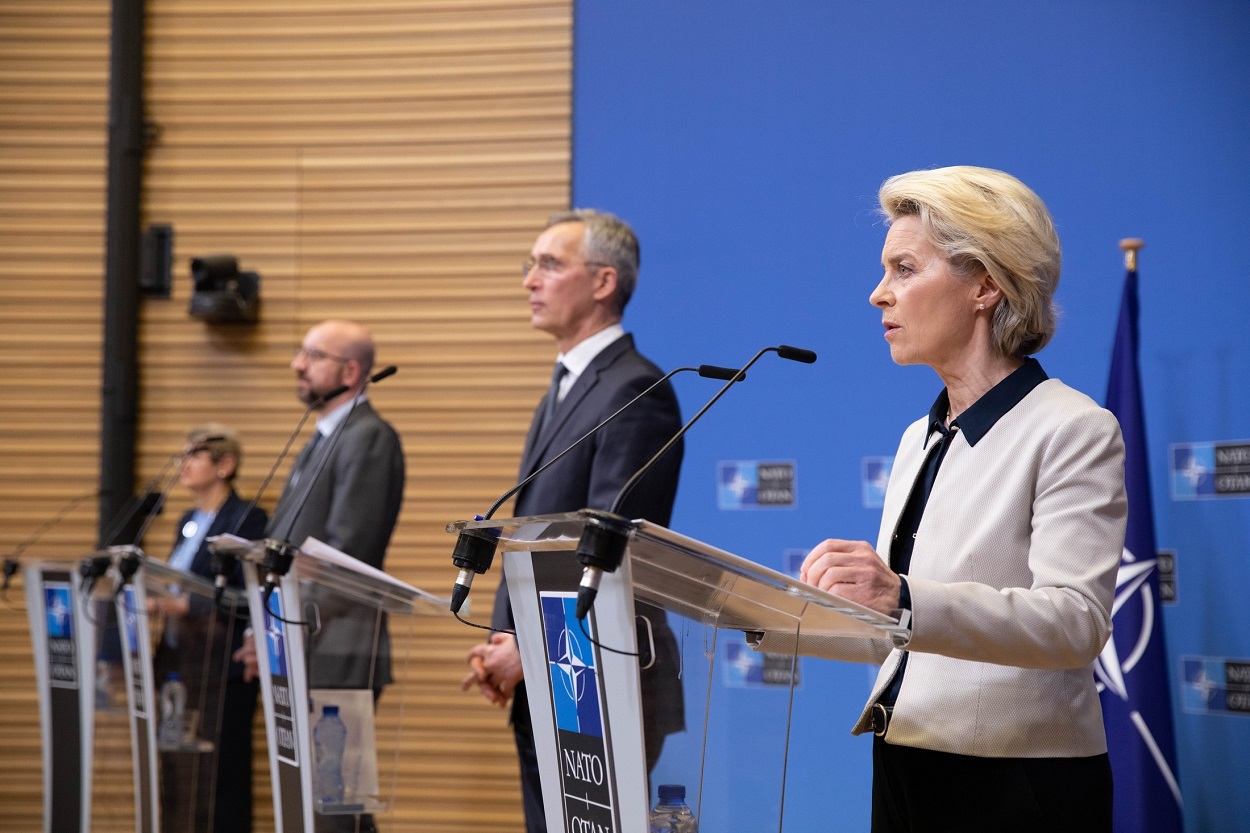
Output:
(329, 740)
(103, 675)
(173, 706)
(670, 814)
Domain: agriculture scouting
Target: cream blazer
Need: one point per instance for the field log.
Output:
(1012, 579)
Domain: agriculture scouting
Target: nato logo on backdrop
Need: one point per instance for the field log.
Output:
(1209, 470)
(874, 476)
(792, 559)
(755, 484)
(1215, 685)
(745, 668)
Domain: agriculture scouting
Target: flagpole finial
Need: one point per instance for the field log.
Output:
(1130, 246)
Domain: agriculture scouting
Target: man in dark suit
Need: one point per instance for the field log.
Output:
(580, 274)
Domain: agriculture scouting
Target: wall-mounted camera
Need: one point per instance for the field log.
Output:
(223, 294)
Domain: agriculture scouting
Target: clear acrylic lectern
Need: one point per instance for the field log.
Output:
(322, 624)
(603, 690)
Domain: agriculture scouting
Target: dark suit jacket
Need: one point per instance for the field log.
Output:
(226, 718)
(591, 475)
(230, 518)
(348, 496)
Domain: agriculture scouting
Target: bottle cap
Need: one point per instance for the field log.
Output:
(672, 792)
(329, 711)
(173, 675)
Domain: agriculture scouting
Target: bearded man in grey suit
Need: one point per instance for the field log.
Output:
(580, 274)
(345, 489)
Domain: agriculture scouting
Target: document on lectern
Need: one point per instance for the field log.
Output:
(325, 552)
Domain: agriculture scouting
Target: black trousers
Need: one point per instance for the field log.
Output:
(915, 790)
(232, 812)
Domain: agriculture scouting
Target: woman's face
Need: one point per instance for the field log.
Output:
(927, 309)
(200, 470)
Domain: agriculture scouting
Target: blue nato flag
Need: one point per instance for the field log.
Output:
(1132, 670)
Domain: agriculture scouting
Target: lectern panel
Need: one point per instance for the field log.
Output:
(629, 697)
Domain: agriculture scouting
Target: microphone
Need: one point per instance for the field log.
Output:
(11, 562)
(475, 548)
(10, 569)
(159, 504)
(264, 484)
(385, 373)
(153, 487)
(602, 545)
(278, 552)
(91, 568)
(224, 563)
(127, 566)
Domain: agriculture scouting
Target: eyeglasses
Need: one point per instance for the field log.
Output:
(314, 355)
(548, 265)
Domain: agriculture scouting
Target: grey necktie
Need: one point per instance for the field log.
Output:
(553, 395)
(305, 457)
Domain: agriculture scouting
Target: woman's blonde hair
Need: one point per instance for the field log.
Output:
(219, 440)
(986, 220)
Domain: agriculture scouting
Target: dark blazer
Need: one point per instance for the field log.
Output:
(230, 518)
(591, 475)
(348, 495)
(203, 638)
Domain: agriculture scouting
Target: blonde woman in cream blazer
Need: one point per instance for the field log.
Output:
(1002, 530)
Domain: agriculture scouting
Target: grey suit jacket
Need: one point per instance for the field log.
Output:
(348, 495)
(591, 476)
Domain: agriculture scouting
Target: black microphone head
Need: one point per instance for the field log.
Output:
(388, 371)
(127, 566)
(91, 568)
(712, 371)
(796, 354)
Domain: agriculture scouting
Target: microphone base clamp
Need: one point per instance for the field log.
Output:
(277, 561)
(473, 554)
(600, 549)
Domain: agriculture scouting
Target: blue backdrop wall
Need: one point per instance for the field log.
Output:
(746, 141)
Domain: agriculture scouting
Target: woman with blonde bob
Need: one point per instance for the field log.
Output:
(1001, 532)
(198, 638)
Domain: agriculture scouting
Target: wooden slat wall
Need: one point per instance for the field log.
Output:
(384, 160)
(53, 153)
